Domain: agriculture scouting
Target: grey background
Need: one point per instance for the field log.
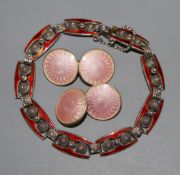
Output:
(21, 152)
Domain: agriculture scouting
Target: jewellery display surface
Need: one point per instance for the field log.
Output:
(124, 39)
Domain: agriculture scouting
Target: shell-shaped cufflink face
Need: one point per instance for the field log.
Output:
(60, 67)
(104, 102)
(71, 107)
(96, 67)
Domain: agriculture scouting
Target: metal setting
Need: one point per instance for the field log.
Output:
(154, 79)
(116, 141)
(124, 39)
(41, 42)
(40, 122)
(24, 79)
(95, 148)
(81, 27)
(72, 144)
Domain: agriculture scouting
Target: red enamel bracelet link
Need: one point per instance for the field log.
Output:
(124, 39)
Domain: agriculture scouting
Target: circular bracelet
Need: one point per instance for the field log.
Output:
(124, 39)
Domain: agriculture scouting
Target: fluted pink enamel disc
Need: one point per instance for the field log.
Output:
(60, 67)
(104, 102)
(71, 107)
(96, 67)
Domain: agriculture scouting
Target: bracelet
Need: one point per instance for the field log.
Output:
(124, 39)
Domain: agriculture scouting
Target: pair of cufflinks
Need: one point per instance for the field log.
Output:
(96, 68)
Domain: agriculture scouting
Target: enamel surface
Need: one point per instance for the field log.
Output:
(71, 107)
(96, 67)
(104, 102)
(60, 67)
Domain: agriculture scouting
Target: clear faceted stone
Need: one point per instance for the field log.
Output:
(150, 112)
(71, 144)
(103, 28)
(153, 70)
(24, 69)
(129, 37)
(41, 40)
(146, 121)
(67, 25)
(42, 126)
(156, 80)
(23, 87)
(49, 35)
(125, 137)
(150, 63)
(90, 28)
(154, 105)
(36, 118)
(71, 25)
(32, 111)
(81, 25)
(81, 147)
(156, 93)
(108, 145)
(63, 141)
(74, 25)
(35, 47)
(96, 27)
(28, 58)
